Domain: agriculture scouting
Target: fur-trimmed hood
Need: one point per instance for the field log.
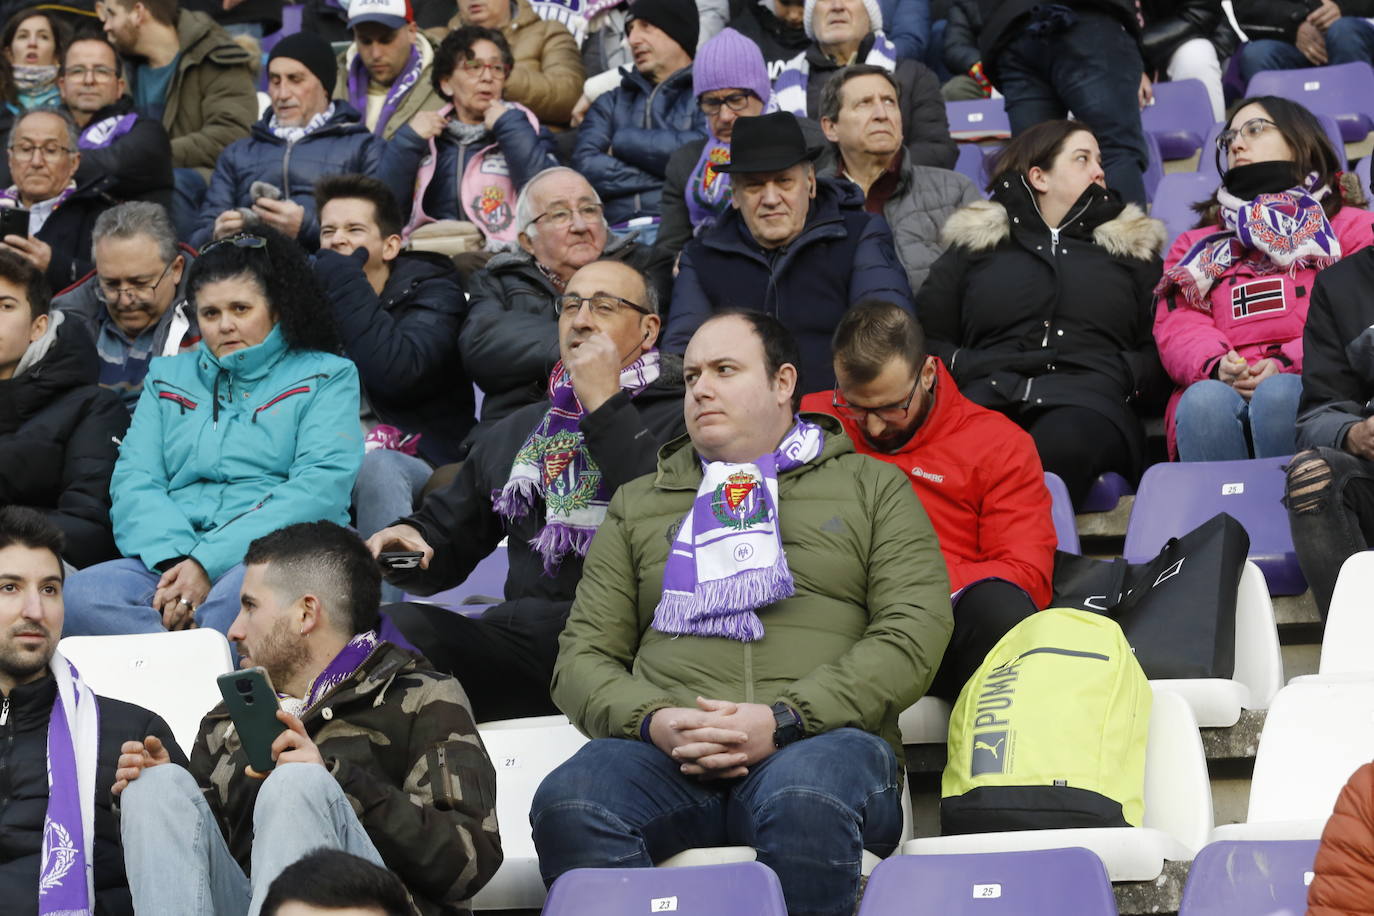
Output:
(985, 224)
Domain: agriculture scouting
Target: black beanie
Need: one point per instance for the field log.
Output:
(312, 51)
(678, 18)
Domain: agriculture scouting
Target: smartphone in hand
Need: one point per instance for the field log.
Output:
(253, 706)
(400, 559)
(14, 221)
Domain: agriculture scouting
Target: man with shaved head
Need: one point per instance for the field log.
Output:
(613, 399)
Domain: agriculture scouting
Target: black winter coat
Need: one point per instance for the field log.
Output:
(57, 444)
(68, 232)
(778, 41)
(405, 344)
(24, 794)
(1027, 318)
(139, 163)
(1169, 23)
(623, 436)
(510, 340)
(964, 25)
(925, 126)
(1338, 353)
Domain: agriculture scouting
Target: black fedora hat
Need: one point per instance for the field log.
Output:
(766, 143)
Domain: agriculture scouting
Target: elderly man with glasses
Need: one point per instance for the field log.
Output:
(541, 478)
(134, 303)
(977, 474)
(510, 341)
(44, 158)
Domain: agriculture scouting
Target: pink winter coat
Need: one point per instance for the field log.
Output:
(1257, 315)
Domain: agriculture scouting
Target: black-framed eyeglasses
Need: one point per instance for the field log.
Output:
(735, 101)
(562, 217)
(114, 291)
(603, 305)
(238, 240)
(25, 150)
(885, 412)
(1251, 130)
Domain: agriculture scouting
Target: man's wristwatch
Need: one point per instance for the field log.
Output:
(787, 725)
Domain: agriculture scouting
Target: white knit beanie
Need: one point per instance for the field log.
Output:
(875, 17)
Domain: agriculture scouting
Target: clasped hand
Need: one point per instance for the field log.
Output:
(717, 740)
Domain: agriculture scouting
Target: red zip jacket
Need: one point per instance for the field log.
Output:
(980, 480)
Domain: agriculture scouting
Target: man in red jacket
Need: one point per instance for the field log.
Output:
(976, 473)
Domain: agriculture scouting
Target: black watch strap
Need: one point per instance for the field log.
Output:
(787, 725)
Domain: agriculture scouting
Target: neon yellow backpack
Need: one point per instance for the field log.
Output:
(1050, 731)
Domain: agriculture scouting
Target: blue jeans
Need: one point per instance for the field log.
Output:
(1093, 70)
(178, 861)
(113, 598)
(1348, 39)
(1214, 423)
(809, 810)
(388, 488)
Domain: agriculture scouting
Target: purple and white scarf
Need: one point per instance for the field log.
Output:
(358, 79)
(10, 198)
(1288, 228)
(66, 878)
(789, 89)
(294, 134)
(342, 666)
(555, 466)
(727, 560)
(708, 190)
(106, 131)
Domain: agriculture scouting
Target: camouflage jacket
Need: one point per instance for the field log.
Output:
(400, 740)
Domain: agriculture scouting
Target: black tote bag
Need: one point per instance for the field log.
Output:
(1178, 611)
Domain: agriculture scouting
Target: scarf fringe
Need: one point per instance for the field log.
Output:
(555, 541)
(725, 607)
(515, 499)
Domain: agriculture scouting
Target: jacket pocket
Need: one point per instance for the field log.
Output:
(301, 387)
(179, 396)
(461, 777)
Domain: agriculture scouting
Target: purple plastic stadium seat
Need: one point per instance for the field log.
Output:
(484, 586)
(1179, 118)
(1061, 510)
(1106, 492)
(1344, 91)
(1154, 168)
(1175, 498)
(1242, 879)
(739, 889)
(1045, 882)
(970, 163)
(1174, 199)
(979, 119)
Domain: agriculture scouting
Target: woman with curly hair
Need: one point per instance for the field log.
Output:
(255, 430)
(1231, 308)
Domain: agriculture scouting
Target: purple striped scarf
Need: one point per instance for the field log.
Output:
(65, 878)
(342, 666)
(728, 560)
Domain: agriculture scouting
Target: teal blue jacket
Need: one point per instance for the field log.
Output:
(222, 451)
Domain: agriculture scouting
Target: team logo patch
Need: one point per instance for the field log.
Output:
(493, 210)
(989, 753)
(737, 503)
(1258, 297)
(718, 156)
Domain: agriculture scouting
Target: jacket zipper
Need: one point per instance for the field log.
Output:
(286, 170)
(181, 401)
(9, 748)
(1054, 257)
(260, 504)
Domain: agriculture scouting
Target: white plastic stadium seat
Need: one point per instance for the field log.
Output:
(1349, 633)
(1317, 733)
(1178, 808)
(523, 751)
(172, 674)
(1217, 702)
(926, 721)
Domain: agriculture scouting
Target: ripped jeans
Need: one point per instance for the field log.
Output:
(1330, 500)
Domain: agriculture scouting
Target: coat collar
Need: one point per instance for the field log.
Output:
(679, 467)
(247, 364)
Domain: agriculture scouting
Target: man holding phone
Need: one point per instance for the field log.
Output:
(366, 727)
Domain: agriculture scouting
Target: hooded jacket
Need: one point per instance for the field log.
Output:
(175, 331)
(1026, 317)
(1343, 873)
(623, 436)
(421, 97)
(925, 126)
(399, 739)
(59, 437)
(226, 449)
(341, 145)
(24, 794)
(211, 101)
(979, 478)
(510, 339)
(1191, 342)
(405, 344)
(1338, 353)
(856, 644)
(624, 143)
(842, 256)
